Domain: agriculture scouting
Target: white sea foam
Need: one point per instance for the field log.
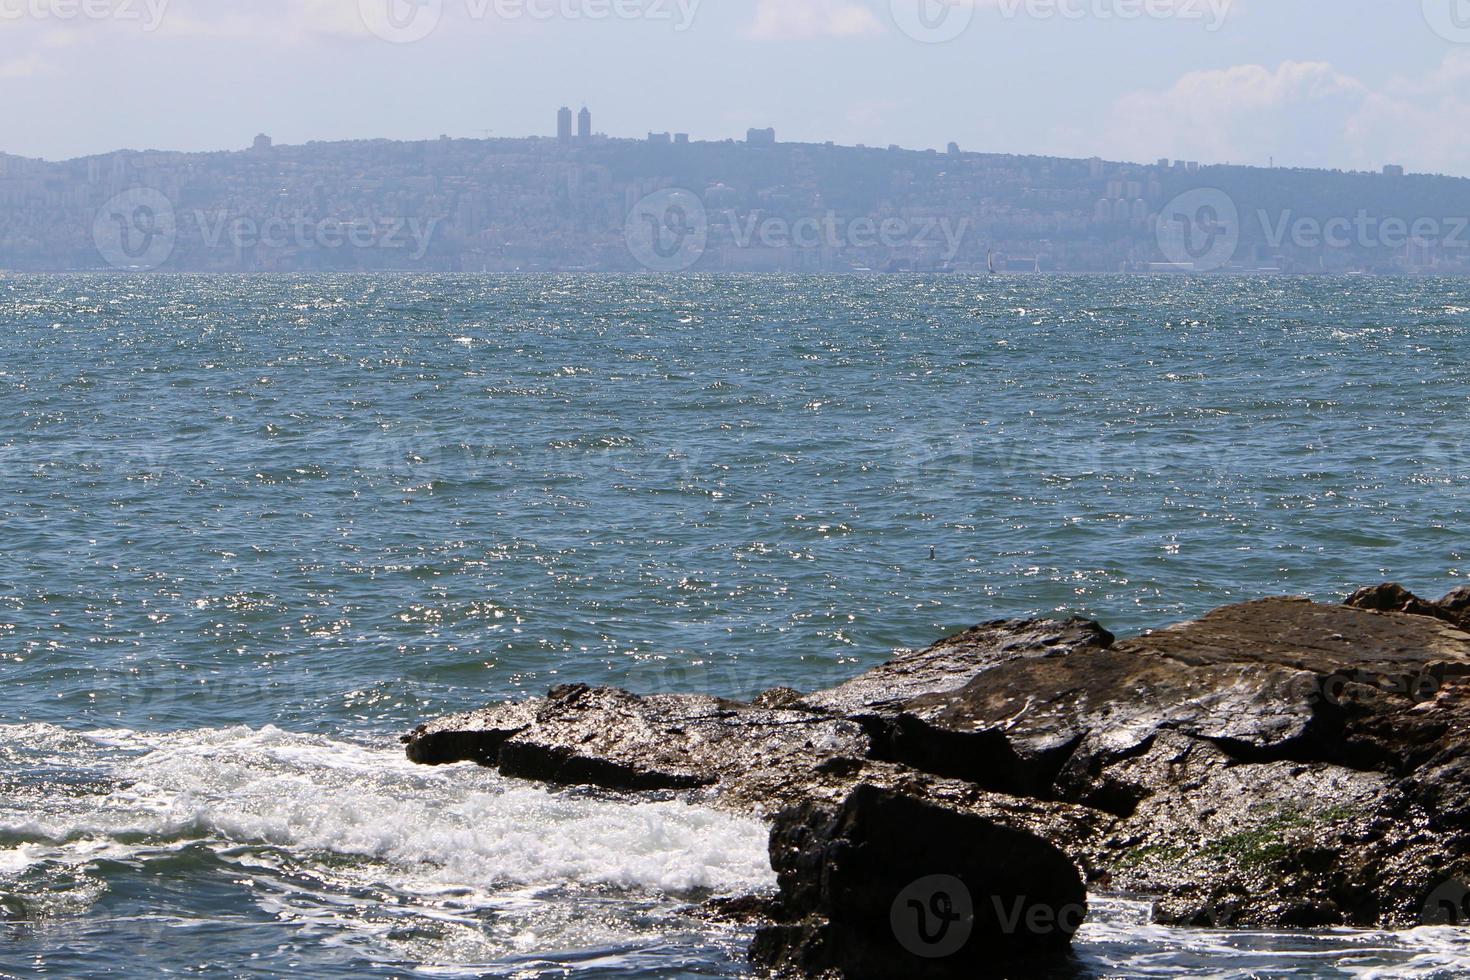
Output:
(489, 873)
(1119, 937)
(437, 828)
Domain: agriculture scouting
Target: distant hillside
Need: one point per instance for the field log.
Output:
(631, 205)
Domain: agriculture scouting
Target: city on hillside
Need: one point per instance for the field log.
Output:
(577, 201)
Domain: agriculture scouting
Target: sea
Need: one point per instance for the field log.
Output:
(253, 529)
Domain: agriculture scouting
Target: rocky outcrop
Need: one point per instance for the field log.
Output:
(886, 885)
(1454, 608)
(779, 751)
(1263, 764)
(1274, 763)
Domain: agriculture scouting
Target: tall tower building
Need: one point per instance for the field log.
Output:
(564, 125)
(584, 124)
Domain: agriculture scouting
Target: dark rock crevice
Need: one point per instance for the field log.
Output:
(986, 758)
(1084, 780)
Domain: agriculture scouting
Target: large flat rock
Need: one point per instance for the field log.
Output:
(1297, 633)
(1272, 679)
(953, 662)
(764, 757)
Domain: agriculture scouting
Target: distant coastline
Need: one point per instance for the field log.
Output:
(666, 204)
(653, 138)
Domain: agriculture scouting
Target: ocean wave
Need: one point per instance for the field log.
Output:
(459, 826)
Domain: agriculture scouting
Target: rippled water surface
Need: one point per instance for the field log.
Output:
(253, 528)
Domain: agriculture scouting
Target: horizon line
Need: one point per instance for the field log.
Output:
(828, 144)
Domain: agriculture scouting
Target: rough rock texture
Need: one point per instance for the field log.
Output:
(1278, 762)
(952, 663)
(1272, 679)
(1454, 608)
(757, 757)
(777, 752)
(886, 885)
(1265, 763)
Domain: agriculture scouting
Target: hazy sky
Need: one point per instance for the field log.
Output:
(1352, 83)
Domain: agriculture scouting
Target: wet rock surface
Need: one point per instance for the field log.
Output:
(1274, 763)
(887, 885)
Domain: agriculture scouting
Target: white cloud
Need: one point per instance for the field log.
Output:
(800, 19)
(1243, 114)
(1421, 122)
(38, 48)
(1302, 113)
(21, 67)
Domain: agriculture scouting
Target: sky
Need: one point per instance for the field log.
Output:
(1315, 83)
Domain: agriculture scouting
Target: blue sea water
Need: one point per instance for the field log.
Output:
(252, 529)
